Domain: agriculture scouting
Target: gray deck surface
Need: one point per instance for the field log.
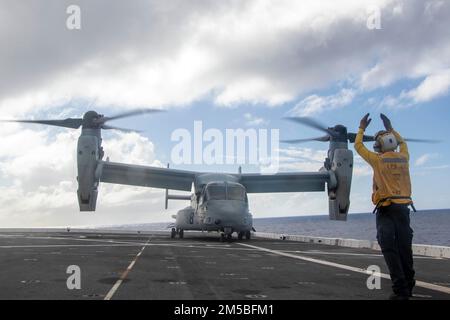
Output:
(33, 266)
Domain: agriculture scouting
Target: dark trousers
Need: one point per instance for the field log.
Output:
(394, 236)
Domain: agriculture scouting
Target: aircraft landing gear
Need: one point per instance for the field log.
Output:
(226, 237)
(175, 232)
(246, 234)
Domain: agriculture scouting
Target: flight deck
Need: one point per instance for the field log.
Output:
(153, 266)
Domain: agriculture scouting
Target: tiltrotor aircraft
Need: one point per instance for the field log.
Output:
(219, 201)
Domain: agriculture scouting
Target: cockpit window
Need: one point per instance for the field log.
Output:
(235, 193)
(225, 192)
(216, 193)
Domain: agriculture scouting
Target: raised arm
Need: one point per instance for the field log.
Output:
(402, 144)
(365, 153)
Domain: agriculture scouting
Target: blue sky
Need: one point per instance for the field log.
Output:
(426, 120)
(229, 64)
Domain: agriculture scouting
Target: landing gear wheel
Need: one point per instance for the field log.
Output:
(229, 237)
(222, 237)
(173, 233)
(181, 233)
(248, 235)
(240, 235)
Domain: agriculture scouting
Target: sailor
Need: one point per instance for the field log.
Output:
(391, 197)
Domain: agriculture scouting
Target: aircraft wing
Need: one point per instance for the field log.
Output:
(146, 176)
(285, 182)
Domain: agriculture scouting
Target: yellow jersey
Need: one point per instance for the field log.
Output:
(391, 177)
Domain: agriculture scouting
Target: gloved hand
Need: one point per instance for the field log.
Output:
(365, 121)
(386, 122)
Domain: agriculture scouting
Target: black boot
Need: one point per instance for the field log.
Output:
(395, 296)
(411, 286)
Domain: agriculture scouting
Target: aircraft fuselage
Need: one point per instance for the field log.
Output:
(219, 206)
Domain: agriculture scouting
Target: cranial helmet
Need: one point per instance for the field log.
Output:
(385, 141)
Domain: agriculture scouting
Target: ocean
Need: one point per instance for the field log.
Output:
(430, 226)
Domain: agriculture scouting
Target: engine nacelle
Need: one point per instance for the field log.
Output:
(186, 219)
(340, 184)
(88, 158)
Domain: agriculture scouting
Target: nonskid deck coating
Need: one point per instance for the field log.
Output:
(130, 266)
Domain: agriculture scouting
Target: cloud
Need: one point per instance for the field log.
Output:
(288, 204)
(433, 86)
(303, 159)
(253, 121)
(38, 180)
(361, 168)
(441, 167)
(425, 158)
(315, 104)
(173, 53)
(311, 160)
(159, 53)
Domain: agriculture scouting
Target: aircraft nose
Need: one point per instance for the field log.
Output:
(226, 212)
(227, 207)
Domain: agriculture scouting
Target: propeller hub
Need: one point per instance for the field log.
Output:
(339, 133)
(91, 120)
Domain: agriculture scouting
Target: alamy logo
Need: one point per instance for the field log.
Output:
(374, 18)
(237, 146)
(73, 21)
(374, 280)
(74, 280)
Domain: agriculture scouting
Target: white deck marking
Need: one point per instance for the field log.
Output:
(70, 246)
(351, 254)
(121, 244)
(422, 284)
(123, 275)
(80, 239)
(171, 243)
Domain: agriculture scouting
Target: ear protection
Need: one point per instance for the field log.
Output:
(385, 141)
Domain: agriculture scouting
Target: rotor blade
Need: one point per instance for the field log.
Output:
(106, 127)
(422, 140)
(73, 123)
(321, 139)
(130, 114)
(310, 123)
(352, 136)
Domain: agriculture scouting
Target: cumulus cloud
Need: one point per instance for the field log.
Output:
(253, 121)
(431, 87)
(172, 53)
(38, 180)
(361, 168)
(288, 204)
(304, 159)
(425, 158)
(314, 104)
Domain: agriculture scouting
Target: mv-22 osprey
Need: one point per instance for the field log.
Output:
(219, 201)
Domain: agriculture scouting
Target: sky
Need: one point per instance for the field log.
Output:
(230, 64)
